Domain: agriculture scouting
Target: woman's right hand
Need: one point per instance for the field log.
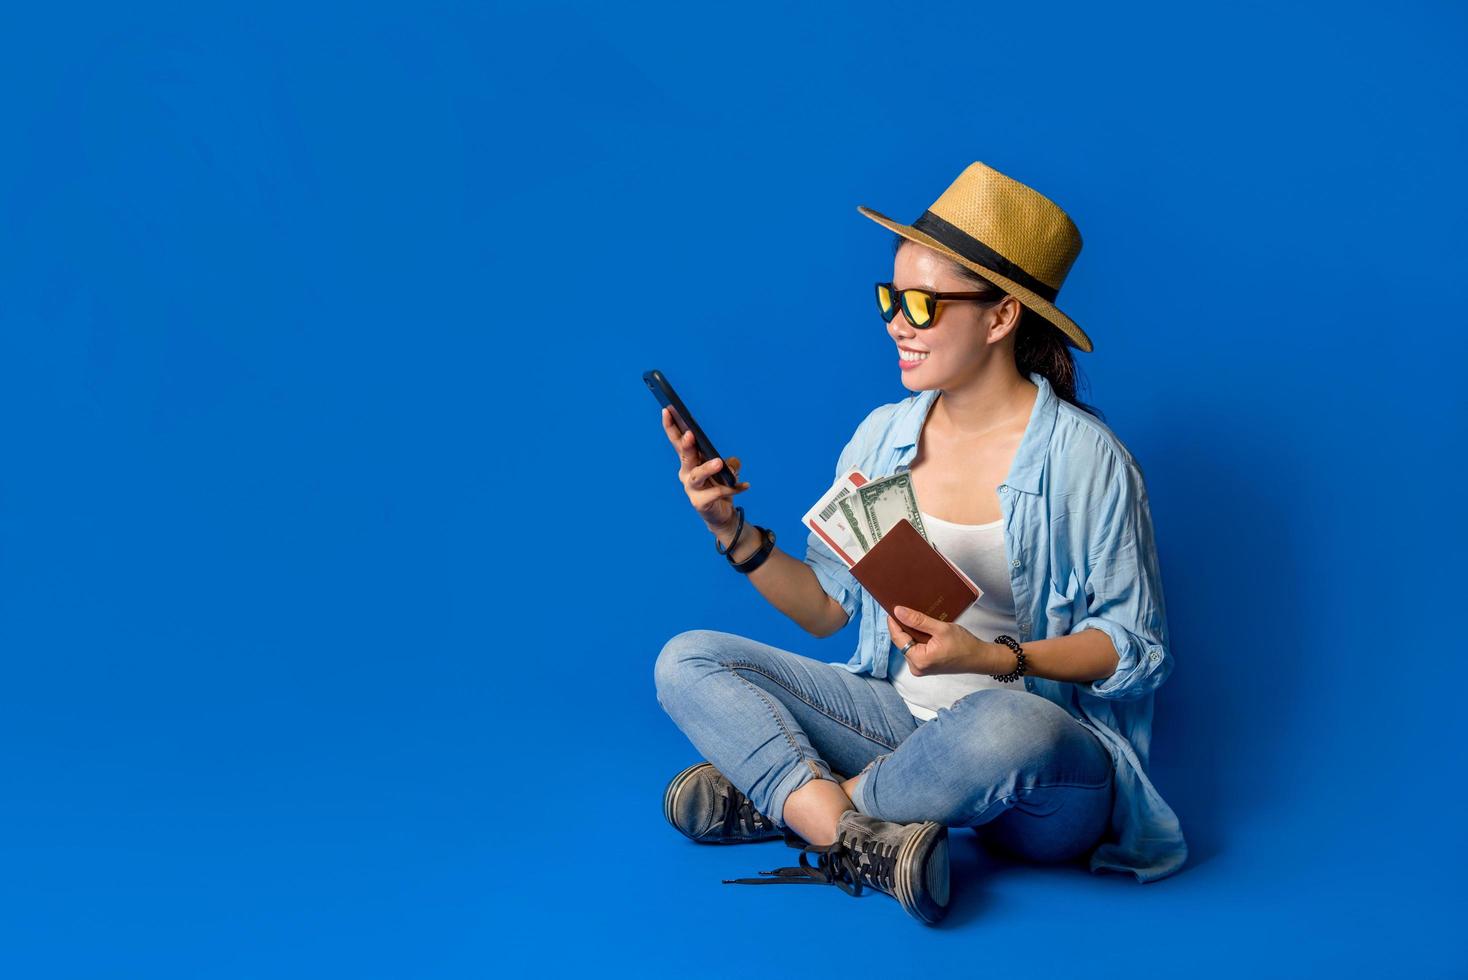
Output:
(709, 497)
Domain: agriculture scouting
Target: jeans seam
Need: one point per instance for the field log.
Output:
(996, 801)
(794, 745)
(1101, 785)
(732, 664)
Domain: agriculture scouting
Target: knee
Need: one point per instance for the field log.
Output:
(676, 657)
(1009, 731)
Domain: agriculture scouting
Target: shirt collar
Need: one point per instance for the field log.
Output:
(1029, 460)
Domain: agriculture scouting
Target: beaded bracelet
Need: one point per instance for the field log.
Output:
(1019, 670)
(737, 531)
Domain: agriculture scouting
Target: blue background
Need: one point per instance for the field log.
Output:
(339, 536)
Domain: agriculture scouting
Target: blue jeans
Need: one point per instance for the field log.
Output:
(771, 721)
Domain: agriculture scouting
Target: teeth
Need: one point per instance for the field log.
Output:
(909, 356)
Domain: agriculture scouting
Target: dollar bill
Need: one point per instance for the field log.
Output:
(855, 519)
(886, 501)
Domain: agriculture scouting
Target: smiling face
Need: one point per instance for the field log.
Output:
(965, 335)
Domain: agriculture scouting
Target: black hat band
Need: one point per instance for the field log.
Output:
(976, 251)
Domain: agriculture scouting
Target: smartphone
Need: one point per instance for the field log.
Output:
(683, 418)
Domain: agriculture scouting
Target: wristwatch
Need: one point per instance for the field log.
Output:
(758, 558)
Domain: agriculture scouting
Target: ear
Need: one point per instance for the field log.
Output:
(1007, 314)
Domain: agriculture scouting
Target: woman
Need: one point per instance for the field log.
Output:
(1029, 716)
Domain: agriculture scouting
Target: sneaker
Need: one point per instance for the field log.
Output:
(704, 806)
(908, 861)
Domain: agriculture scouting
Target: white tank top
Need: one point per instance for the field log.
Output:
(978, 549)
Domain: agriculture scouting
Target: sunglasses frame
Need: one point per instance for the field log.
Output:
(901, 304)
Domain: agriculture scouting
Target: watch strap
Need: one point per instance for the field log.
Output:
(758, 558)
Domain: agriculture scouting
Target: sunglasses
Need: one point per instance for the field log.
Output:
(920, 306)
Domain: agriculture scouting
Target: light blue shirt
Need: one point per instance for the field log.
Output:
(1078, 536)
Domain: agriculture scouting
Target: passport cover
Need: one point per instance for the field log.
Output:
(903, 569)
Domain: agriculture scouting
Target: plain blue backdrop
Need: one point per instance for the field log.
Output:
(339, 536)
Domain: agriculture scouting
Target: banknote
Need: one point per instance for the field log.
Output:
(856, 521)
(886, 501)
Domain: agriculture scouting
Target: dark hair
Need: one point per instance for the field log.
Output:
(1039, 346)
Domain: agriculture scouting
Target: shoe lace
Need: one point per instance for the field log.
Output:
(741, 818)
(848, 864)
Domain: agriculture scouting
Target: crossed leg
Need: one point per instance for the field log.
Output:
(787, 730)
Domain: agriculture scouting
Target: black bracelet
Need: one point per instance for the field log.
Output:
(758, 558)
(737, 531)
(1019, 670)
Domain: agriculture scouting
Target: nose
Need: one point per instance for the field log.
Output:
(899, 329)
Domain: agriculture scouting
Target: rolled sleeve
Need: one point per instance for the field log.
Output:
(1124, 588)
(832, 573)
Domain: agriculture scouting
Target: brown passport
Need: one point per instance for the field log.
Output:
(903, 569)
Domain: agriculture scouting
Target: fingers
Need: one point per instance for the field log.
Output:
(670, 428)
(694, 471)
(901, 638)
(687, 451)
(702, 473)
(911, 617)
(676, 436)
(688, 455)
(702, 477)
(704, 496)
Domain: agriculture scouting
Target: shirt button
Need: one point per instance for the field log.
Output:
(1015, 563)
(1024, 626)
(1155, 656)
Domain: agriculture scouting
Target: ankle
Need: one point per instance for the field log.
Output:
(814, 810)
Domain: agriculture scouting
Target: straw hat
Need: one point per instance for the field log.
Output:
(1008, 233)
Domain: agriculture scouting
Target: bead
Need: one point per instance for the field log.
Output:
(1019, 654)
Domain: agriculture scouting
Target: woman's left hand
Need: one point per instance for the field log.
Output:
(951, 650)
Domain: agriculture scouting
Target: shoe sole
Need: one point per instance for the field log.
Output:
(675, 789)
(920, 849)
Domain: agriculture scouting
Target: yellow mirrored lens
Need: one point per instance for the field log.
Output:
(919, 307)
(884, 299)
